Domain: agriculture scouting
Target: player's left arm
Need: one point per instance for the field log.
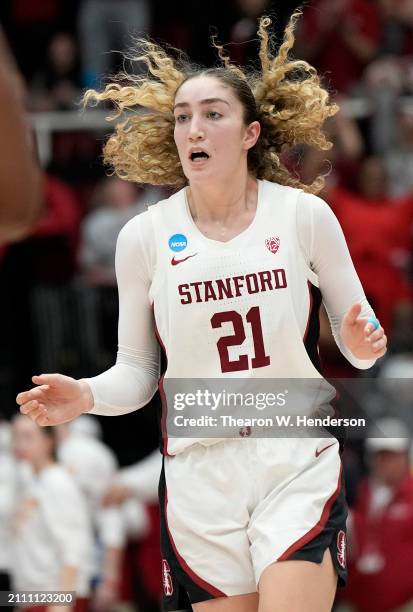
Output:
(348, 310)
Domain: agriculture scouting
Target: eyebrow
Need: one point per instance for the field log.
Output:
(206, 101)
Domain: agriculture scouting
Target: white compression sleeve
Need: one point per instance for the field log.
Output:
(131, 383)
(326, 253)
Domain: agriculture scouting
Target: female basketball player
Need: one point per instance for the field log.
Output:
(231, 271)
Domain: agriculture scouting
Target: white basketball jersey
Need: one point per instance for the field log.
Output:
(246, 308)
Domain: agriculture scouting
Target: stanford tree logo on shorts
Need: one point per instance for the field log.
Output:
(167, 578)
(272, 244)
(341, 548)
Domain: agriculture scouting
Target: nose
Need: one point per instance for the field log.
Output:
(196, 131)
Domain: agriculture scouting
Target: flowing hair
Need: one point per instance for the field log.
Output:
(285, 96)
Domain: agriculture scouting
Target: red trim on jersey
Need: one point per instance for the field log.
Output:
(318, 527)
(162, 394)
(209, 588)
(310, 308)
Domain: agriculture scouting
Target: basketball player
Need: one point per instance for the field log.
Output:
(232, 270)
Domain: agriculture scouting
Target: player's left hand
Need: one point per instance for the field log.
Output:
(360, 337)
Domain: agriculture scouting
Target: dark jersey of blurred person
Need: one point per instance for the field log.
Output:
(378, 230)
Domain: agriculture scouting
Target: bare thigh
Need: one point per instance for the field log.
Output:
(298, 586)
(236, 603)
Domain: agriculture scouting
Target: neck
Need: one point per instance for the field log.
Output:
(40, 464)
(222, 201)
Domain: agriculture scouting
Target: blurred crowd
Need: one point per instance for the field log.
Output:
(59, 312)
(71, 520)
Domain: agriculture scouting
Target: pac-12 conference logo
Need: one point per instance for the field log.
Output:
(273, 244)
(178, 242)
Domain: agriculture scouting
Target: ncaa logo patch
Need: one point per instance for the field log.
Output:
(168, 588)
(341, 548)
(272, 244)
(177, 242)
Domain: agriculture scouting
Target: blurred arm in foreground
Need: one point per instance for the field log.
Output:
(19, 174)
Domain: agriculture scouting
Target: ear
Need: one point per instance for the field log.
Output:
(251, 135)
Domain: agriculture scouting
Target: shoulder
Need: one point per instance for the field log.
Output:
(312, 201)
(277, 188)
(57, 481)
(134, 247)
(303, 199)
(137, 238)
(313, 210)
(84, 449)
(310, 208)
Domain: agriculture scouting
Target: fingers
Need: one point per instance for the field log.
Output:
(352, 314)
(379, 345)
(374, 335)
(377, 338)
(29, 407)
(36, 412)
(37, 393)
(47, 379)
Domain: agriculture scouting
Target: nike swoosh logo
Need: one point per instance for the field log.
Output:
(318, 453)
(175, 262)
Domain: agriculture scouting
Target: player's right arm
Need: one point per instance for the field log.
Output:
(131, 383)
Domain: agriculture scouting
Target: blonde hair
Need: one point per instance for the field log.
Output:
(285, 96)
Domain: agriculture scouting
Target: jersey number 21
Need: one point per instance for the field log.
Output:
(260, 359)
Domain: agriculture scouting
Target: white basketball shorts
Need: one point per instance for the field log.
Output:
(231, 509)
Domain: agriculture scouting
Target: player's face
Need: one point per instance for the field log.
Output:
(210, 134)
(29, 441)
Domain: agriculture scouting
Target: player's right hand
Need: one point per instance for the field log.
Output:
(57, 399)
(116, 495)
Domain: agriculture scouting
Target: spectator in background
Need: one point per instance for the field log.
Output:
(116, 201)
(338, 162)
(243, 32)
(399, 157)
(139, 483)
(395, 386)
(105, 25)
(381, 526)
(53, 239)
(397, 24)
(378, 231)
(94, 465)
(30, 26)
(340, 37)
(385, 80)
(8, 495)
(57, 85)
(52, 534)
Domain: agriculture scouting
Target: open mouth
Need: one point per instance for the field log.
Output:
(198, 156)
